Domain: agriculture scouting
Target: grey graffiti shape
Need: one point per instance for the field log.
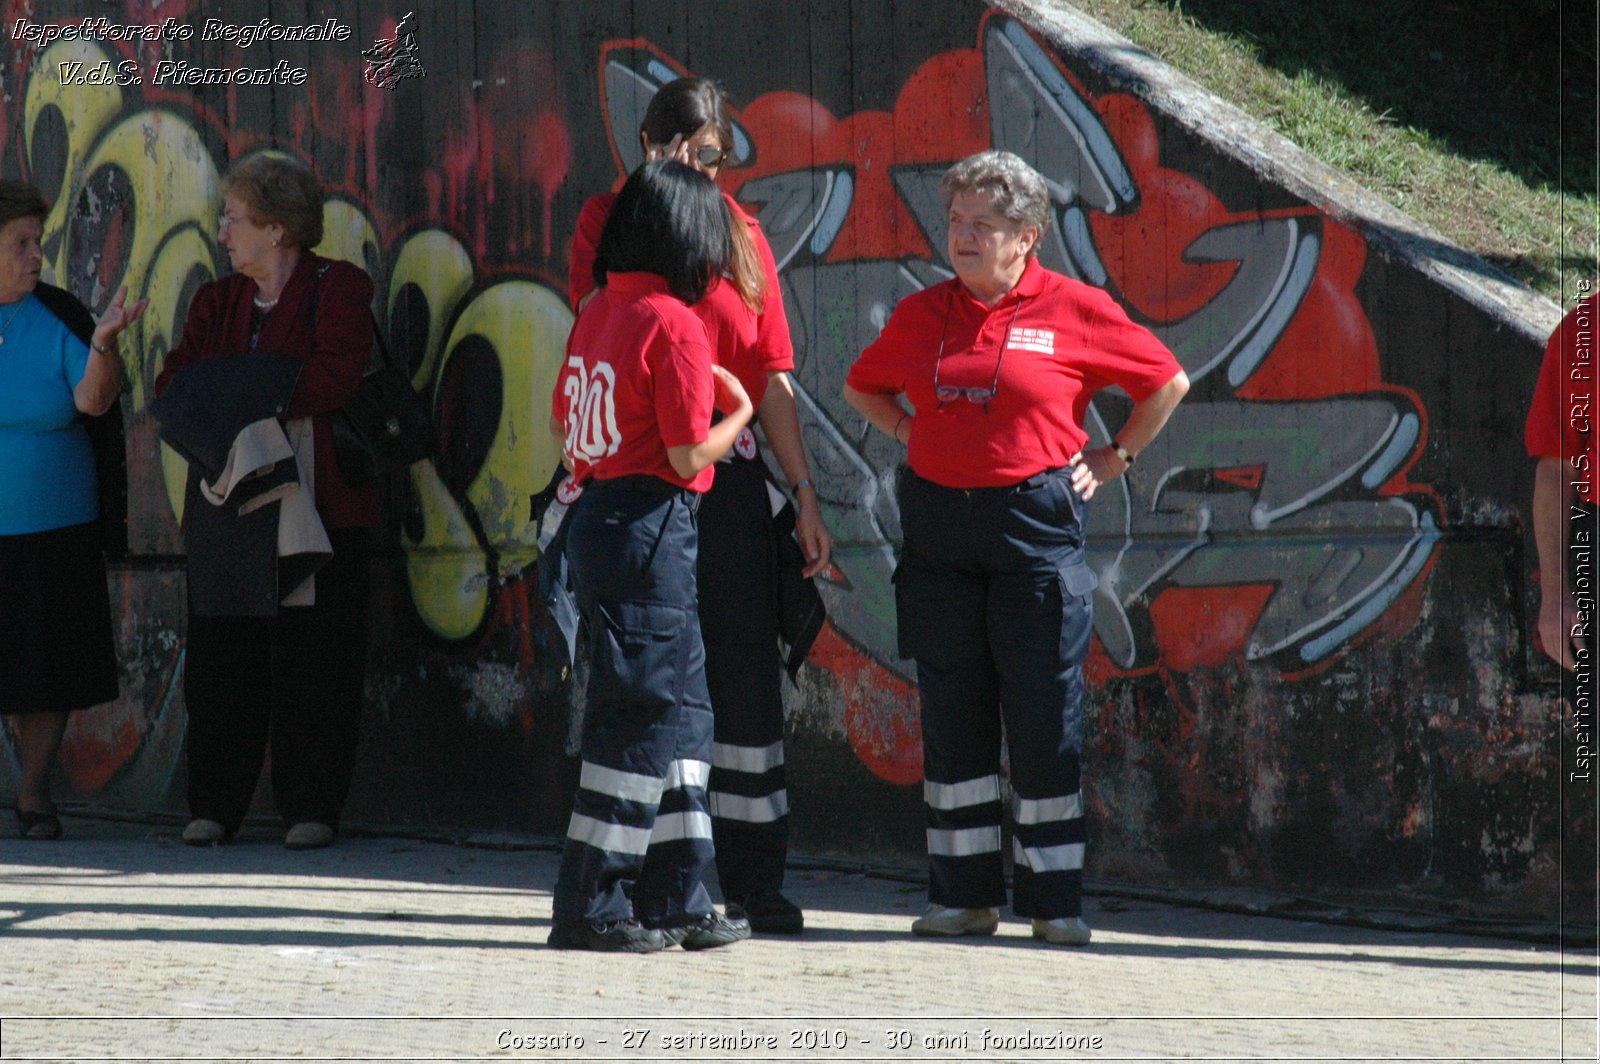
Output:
(1299, 517)
(801, 212)
(834, 311)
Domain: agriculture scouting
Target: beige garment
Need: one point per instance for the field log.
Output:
(300, 530)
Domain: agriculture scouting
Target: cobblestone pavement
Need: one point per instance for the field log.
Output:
(121, 943)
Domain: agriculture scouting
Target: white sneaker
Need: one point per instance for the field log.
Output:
(1062, 931)
(308, 836)
(203, 832)
(941, 922)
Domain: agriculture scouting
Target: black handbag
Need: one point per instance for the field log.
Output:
(801, 612)
(385, 427)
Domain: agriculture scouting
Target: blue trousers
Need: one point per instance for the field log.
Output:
(993, 596)
(639, 842)
(739, 621)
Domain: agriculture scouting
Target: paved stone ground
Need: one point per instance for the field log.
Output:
(121, 943)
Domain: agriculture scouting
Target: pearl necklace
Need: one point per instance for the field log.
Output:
(264, 304)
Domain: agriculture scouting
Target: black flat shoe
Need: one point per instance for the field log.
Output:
(37, 827)
(769, 913)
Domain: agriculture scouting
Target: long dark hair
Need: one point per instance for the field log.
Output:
(669, 219)
(683, 108)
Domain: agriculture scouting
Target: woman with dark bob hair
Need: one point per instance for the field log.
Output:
(999, 364)
(633, 406)
(58, 366)
(287, 335)
(688, 120)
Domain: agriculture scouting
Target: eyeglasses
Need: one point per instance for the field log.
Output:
(708, 156)
(949, 393)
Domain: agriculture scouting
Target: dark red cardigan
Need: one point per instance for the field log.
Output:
(336, 353)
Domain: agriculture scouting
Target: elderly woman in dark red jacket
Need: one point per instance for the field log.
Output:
(993, 592)
(288, 675)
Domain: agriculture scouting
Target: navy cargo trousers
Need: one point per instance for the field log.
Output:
(639, 842)
(994, 603)
(739, 622)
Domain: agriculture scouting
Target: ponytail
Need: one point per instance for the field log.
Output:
(745, 268)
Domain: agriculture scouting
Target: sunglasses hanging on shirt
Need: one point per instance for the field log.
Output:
(949, 393)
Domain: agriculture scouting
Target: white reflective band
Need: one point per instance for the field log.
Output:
(628, 786)
(752, 759)
(687, 774)
(964, 842)
(959, 795)
(750, 810)
(1047, 810)
(612, 838)
(673, 826)
(1067, 857)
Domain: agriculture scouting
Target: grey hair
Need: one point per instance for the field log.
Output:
(1015, 188)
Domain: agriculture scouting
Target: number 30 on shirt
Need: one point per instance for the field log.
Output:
(591, 411)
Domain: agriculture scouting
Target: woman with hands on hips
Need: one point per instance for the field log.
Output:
(993, 594)
(688, 121)
(58, 365)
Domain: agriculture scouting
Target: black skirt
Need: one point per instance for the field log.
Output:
(56, 649)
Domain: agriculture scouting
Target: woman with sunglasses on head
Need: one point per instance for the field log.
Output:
(993, 592)
(633, 407)
(687, 120)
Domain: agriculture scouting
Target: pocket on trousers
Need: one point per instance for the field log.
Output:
(1077, 583)
(912, 609)
(640, 654)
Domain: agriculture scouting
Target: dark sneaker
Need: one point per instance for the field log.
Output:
(623, 936)
(770, 913)
(708, 932)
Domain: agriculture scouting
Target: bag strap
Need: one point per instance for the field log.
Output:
(377, 331)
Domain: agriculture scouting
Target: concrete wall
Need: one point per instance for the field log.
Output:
(1313, 667)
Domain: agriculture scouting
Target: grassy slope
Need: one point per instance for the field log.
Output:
(1475, 116)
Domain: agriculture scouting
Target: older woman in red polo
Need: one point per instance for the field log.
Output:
(998, 365)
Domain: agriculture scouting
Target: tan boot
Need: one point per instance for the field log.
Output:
(942, 922)
(1063, 931)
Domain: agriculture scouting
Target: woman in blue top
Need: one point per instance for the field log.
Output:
(57, 365)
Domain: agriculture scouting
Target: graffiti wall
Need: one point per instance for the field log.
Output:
(1311, 666)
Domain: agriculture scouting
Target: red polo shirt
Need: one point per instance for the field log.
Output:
(1062, 341)
(747, 345)
(636, 381)
(1561, 418)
